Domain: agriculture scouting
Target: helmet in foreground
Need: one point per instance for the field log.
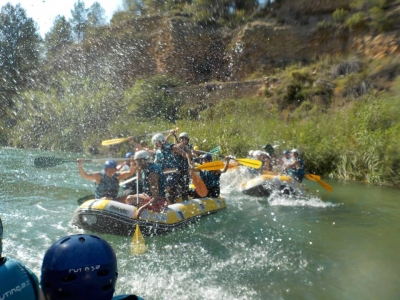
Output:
(207, 157)
(158, 138)
(142, 154)
(110, 164)
(184, 134)
(78, 267)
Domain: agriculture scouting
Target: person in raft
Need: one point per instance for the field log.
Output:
(80, 267)
(153, 183)
(107, 181)
(17, 282)
(295, 168)
(212, 178)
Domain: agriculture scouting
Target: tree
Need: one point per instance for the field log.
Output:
(96, 15)
(19, 54)
(79, 19)
(59, 37)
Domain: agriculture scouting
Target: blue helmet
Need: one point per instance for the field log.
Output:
(78, 267)
(129, 154)
(17, 281)
(110, 164)
(207, 156)
(286, 152)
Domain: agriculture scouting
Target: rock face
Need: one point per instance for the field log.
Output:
(200, 54)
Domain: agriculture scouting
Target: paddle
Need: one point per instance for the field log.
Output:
(45, 162)
(324, 184)
(211, 166)
(213, 151)
(121, 140)
(138, 245)
(200, 186)
(249, 162)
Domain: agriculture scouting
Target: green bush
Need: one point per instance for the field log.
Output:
(340, 15)
(356, 21)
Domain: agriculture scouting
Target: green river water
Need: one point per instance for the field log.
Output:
(339, 245)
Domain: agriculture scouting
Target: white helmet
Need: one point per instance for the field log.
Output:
(142, 154)
(184, 134)
(256, 153)
(251, 153)
(295, 151)
(157, 138)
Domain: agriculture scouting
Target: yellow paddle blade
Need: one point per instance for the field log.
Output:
(199, 184)
(211, 166)
(313, 177)
(138, 245)
(114, 141)
(249, 162)
(325, 185)
(322, 183)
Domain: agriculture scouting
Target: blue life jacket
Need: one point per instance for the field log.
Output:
(182, 160)
(298, 174)
(169, 159)
(17, 281)
(162, 183)
(211, 179)
(108, 186)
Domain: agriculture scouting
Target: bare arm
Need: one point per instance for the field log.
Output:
(172, 133)
(132, 170)
(88, 176)
(179, 151)
(155, 192)
(227, 158)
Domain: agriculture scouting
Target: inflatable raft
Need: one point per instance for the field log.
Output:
(266, 184)
(108, 216)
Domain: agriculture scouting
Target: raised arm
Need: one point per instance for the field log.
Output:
(88, 176)
(132, 170)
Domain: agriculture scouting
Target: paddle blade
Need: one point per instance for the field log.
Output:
(313, 177)
(45, 162)
(201, 188)
(211, 166)
(248, 162)
(325, 185)
(114, 141)
(138, 245)
(215, 150)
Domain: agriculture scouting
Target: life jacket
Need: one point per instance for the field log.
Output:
(298, 174)
(162, 183)
(211, 179)
(17, 281)
(108, 186)
(169, 159)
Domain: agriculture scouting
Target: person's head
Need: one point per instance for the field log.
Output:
(1, 237)
(128, 156)
(158, 140)
(286, 153)
(295, 152)
(79, 267)
(143, 143)
(184, 137)
(251, 152)
(110, 167)
(206, 158)
(142, 157)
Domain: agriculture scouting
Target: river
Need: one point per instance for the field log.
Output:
(339, 245)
